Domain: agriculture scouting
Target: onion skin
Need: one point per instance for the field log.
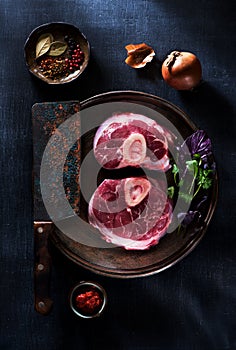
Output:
(182, 70)
(139, 55)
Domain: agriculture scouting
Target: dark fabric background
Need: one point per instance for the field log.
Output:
(189, 306)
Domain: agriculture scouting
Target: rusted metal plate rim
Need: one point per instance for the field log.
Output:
(116, 261)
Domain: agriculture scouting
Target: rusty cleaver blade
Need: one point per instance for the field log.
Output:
(46, 118)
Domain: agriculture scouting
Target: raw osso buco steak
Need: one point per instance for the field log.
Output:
(132, 140)
(134, 212)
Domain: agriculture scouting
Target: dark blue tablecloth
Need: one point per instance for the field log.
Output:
(189, 306)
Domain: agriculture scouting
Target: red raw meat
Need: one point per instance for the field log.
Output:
(133, 213)
(130, 139)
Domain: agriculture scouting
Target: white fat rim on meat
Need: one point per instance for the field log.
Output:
(128, 243)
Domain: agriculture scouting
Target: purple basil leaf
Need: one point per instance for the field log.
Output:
(193, 216)
(199, 143)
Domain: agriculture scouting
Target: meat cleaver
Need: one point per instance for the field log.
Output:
(46, 118)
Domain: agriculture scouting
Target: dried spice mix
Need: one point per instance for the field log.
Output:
(58, 59)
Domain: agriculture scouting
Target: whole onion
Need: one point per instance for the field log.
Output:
(182, 70)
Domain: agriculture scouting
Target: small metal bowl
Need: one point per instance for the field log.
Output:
(58, 30)
(83, 287)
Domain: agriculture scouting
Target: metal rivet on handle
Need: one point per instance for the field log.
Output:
(40, 230)
(40, 267)
(41, 304)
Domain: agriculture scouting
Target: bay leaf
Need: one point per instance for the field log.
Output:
(43, 44)
(57, 48)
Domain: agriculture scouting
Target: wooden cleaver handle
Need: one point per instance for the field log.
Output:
(42, 269)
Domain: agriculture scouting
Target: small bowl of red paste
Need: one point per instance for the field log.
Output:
(88, 299)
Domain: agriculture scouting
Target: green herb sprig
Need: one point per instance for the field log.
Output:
(201, 177)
